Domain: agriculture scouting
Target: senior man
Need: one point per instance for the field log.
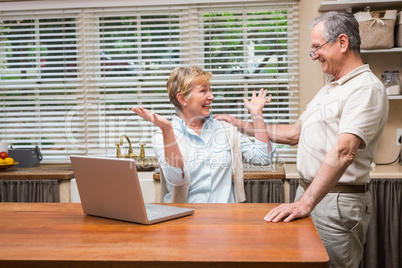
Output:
(337, 134)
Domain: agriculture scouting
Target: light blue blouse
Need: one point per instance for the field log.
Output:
(209, 161)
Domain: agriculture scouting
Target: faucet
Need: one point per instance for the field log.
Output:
(130, 149)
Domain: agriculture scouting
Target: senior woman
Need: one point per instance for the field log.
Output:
(198, 153)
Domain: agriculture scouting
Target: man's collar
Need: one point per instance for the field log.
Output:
(352, 74)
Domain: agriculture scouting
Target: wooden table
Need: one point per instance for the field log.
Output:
(217, 235)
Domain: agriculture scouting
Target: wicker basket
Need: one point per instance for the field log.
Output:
(376, 29)
(398, 30)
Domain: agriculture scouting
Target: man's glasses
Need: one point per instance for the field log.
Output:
(312, 53)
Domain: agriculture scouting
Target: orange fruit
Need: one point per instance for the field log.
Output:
(8, 161)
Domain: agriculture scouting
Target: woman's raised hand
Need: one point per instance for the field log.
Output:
(155, 119)
(256, 103)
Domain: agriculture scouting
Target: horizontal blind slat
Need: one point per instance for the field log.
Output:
(70, 77)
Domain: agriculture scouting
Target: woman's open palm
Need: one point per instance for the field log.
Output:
(256, 103)
(155, 119)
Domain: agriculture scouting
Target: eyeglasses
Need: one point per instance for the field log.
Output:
(312, 53)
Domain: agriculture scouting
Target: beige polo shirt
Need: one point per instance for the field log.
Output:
(357, 104)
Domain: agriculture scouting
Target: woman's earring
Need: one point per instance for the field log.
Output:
(184, 104)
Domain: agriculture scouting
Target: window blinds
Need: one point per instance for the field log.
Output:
(69, 77)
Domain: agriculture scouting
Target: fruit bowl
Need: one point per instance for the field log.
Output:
(5, 166)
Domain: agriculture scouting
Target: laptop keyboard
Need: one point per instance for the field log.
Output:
(155, 214)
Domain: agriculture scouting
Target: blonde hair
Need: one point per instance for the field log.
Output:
(181, 81)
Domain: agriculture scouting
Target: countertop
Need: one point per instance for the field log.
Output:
(42, 172)
(60, 171)
(65, 172)
(393, 171)
(277, 173)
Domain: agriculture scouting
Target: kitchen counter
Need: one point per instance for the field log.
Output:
(42, 172)
(277, 173)
(61, 172)
(269, 173)
(64, 173)
(393, 171)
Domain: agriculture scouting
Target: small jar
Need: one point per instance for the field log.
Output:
(3, 147)
(391, 82)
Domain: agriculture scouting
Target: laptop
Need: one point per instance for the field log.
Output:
(109, 188)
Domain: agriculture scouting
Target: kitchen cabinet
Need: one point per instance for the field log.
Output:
(263, 186)
(354, 6)
(36, 183)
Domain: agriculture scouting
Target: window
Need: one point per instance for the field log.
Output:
(69, 76)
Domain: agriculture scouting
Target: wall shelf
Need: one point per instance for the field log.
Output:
(352, 6)
(395, 97)
(389, 50)
(358, 4)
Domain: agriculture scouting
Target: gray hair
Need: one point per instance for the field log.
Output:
(336, 23)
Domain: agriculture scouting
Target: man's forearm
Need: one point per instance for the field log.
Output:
(331, 169)
(244, 127)
(326, 178)
(284, 134)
